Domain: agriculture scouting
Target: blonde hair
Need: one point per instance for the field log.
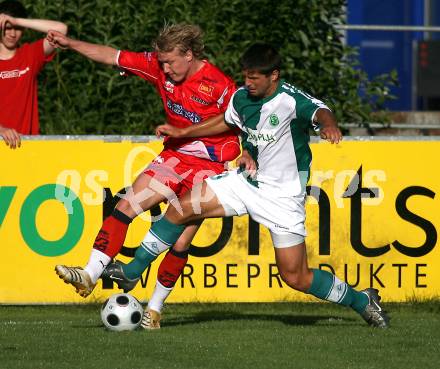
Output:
(182, 36)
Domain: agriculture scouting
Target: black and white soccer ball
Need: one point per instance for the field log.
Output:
(121, 312)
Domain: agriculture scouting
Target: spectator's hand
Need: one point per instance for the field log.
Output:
(331, 134)
(11, 137)
(58, 40)
(169, 130)
(4, 20)
(246, 163)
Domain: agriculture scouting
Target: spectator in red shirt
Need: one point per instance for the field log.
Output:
(19, 67)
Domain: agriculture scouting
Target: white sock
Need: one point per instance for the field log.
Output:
(98, 261)
(159, 296)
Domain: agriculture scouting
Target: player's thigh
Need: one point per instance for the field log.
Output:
(199, 203)
(283, 215)
(145, 193)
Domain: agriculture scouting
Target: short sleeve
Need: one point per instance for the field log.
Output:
(306, 107)
(144, 65)
(231, 116)
(36, 50)
(225, 98)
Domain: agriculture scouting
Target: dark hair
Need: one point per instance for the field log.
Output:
(262, 58)
(13, 8)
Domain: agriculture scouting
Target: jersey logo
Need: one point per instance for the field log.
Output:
(206, 89)
(262, 137)
(199, 100)
(13, 73)
(169, 86)
(273, 120)
(180, 110)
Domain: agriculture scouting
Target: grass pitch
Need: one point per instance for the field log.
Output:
(281, 335)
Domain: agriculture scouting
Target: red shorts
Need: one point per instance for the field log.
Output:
(180, 172)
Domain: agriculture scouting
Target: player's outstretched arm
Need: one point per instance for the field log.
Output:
(40, 25)
(99, 53)
(209, 127)
(329, 126)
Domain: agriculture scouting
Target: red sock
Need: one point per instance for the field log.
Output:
(112, 234)
(171, 268)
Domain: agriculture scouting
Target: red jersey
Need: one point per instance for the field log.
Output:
(18, 88)
(203, 95)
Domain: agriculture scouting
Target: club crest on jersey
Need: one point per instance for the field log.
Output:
(273, 120)
(206, 89)
(169, 86)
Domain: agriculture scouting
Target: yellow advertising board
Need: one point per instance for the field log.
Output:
(375, 223)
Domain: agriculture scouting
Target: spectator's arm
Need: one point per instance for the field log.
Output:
(40, 25)
(11, 137)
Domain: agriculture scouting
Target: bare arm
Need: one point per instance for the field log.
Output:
(329, 126)
(209, 127)
(99, 53)
(41, 25)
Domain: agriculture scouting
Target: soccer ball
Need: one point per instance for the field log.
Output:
(121, 312)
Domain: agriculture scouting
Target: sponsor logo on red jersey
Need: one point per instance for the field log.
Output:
(13, 73)
(178, 109)
(206, 89)
(199, 100)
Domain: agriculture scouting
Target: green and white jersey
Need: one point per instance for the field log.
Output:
(275, 131)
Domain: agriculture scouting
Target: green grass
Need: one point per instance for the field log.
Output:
(283, 335)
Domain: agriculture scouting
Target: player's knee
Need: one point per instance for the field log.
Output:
(125, 207)
(295, 279)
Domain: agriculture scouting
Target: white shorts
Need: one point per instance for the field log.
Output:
(283, 216)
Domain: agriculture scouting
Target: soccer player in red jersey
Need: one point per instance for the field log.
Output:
(192, 90)
(19, 68)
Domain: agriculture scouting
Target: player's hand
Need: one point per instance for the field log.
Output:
(246, 163)
(58, 40)
(170, 131)
(331, 134)
(11, 137)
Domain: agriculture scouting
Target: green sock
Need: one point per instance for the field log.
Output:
(326, 286)
(162, 235)
(142, 259)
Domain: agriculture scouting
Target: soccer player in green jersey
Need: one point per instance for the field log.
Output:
(274, 118)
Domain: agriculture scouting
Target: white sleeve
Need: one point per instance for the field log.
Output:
(231, 115)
